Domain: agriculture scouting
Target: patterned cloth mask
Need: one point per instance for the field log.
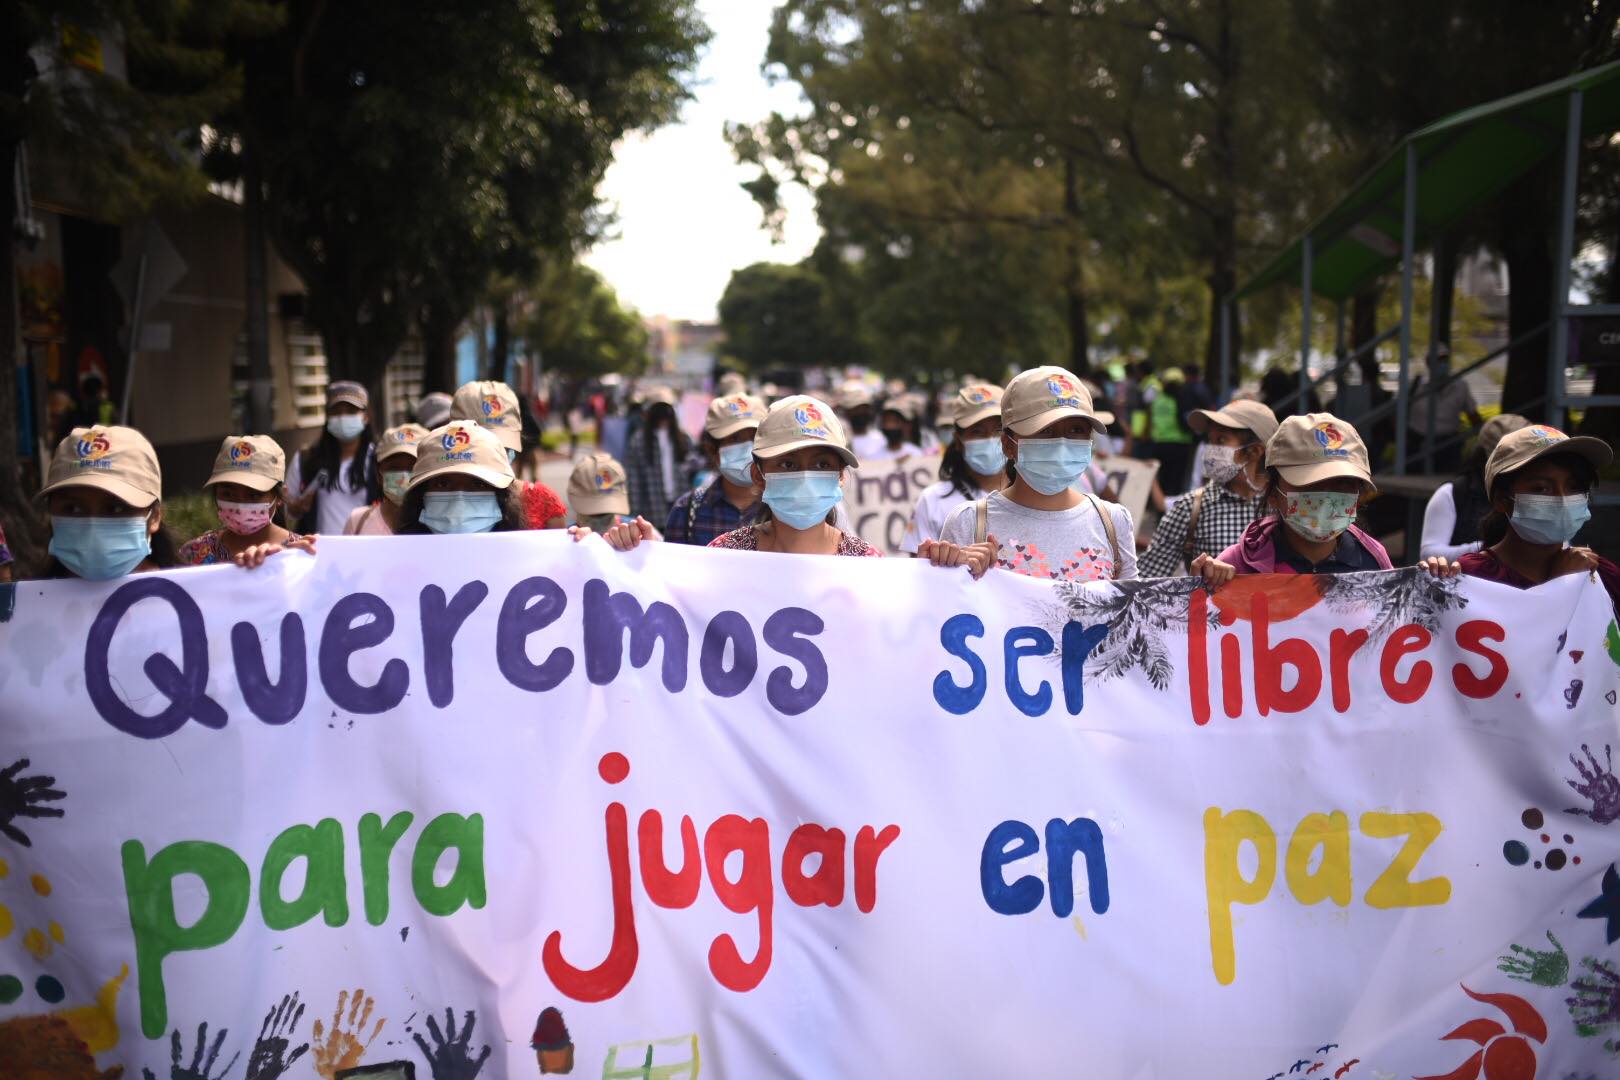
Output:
(1319, 515)
(244, 518)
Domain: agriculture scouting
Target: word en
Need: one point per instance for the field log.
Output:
(1013, 840)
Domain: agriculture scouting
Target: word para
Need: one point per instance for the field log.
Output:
(1225, 884)
(362, 620)
(228, 885)
(751, 893)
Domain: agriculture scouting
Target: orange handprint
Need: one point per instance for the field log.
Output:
(341, 1048)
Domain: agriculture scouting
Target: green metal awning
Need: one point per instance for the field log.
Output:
(1463, 160)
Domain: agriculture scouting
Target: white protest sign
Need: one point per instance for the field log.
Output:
(880, 496)
(508, 805)
(1132, 481)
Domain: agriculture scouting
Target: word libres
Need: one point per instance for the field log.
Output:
(363, 620)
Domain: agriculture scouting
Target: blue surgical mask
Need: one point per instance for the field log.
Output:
(1052, 465)
(345, 428)
(802, 500)
(461, 511)
(511, 455)
(1550, 519)
(736, 461)
(984, 456)
(100, 548)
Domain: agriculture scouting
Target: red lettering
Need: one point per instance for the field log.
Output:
(613, 973)
(1232, 675)
(1471, 637)
(1269, 663)
(664, 888)
(868, 846)
(749, 893)
(1198, 656)
(1402, 643)
(826, 885)
(1342, 645)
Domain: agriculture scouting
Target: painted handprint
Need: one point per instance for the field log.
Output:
(1595, 1005)
(20, 797)
(450, 1057)
(270, 1057)
(1543, 967)
(201, 1067)
(1598, 784)
(342, 1048)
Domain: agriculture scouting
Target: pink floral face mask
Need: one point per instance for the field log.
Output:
(245, 519)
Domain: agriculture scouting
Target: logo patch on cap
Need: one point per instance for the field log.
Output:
(242, 453)
(1064, 393)
(457, 443)
(738, 407)
(604, 480)
(810, 421)
(1546, 436)
(978, 395)
(92, 449)
(492, 406)
(406, 438)
(1330, 439)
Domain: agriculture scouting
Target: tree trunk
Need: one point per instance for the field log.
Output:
(1526, 225)
(1222, 282)
(261, 380)
(1074, 240)
(500, 349)
(1445, 277)
(438, 324)
(1363, 328)
(25, 531)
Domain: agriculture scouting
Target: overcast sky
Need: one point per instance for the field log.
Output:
(684, 224)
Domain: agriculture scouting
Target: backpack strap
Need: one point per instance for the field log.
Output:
(360, 526)
(1108, 527)
(981, 520)
(1190, 544)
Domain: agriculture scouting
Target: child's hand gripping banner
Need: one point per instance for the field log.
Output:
(509, 806)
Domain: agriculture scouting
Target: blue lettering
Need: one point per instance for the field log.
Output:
(953, 637)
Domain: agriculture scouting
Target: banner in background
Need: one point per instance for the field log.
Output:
(512, 806)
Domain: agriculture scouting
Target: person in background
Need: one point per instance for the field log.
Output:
(1539, 481)
(800, 456)
(396, 456)
(655, 456)
(1214, 517)
(494, 407)
(729, 500)
(433, 410)
(95, 408)
(1172, 438)
(1452, 517)
(855, 402)
(896, 423)
(729, 383)
(104, 497)
(248, 489)
(1452, 403)
(598, 495)
(973, 465)
(1046, 528)
(1279, 389)
(462, 482)
(1317, 475)
(330, 480)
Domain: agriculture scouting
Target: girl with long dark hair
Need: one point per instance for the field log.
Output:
(462, 482)
(330, 480)
(973, 465)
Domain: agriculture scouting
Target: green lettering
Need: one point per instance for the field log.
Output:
(466, 885)
(321, 848)
(376, 844)
(149, 889)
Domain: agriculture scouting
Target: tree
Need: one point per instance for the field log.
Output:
(579, 326)
(777, 316)
(126, 143)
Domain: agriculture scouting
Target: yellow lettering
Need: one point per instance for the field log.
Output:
(1395, 887)
(1224, 883)
(1331, 833)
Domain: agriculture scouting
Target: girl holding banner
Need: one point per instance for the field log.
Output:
(462, 482)
(249, 493)
(973, 465)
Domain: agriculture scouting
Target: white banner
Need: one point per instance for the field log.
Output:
(509, 805)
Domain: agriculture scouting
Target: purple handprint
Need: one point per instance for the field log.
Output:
(1598, 784)
(1595, 1005)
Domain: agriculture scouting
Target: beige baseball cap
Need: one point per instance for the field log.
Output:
(434, 409)
(461, 446)
(1519, 448)
(346, 391)
(256, 462)
(904, 404)
(731, 414)
(974, 402)
(1491, 432)
(1254, 417)
(1043, 396)
(400, 440)
(801, 421)
(492, 406)
(853, 395)
(657, 395)
(598, 486)
(1318, 446)
(118, 460)
(732, 382)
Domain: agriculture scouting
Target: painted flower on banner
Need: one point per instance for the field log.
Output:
(1505, 1052)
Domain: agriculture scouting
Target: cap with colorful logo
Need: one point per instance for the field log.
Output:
(598, 486)
(461, 446)
(1255, 417)
(731, 414)
(1318, 446)
(492, 406)
(347, 392)
(854, 395)
(404, 439)
(1519, 448)
(974, 402)
(117, 460)
(1491, 432)
(257, 462)
(801, 422)
(1042, 396)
